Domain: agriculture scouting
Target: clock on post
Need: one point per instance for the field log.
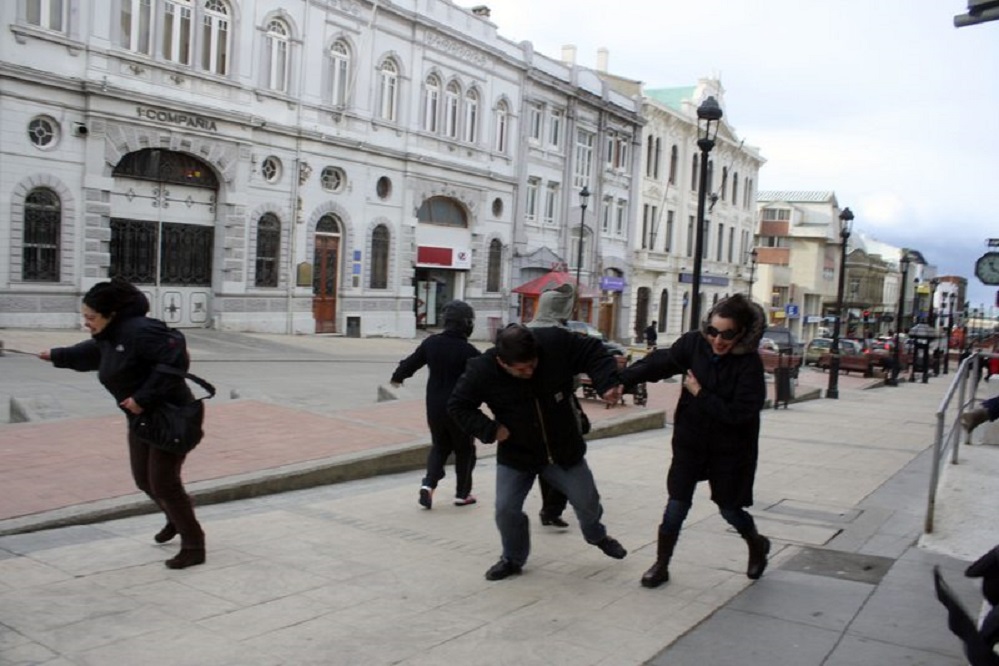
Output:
(987, 268)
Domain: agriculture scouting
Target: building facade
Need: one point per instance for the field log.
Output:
(663, 247)
(292, 166)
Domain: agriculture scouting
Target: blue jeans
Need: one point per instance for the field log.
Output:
(512, 486)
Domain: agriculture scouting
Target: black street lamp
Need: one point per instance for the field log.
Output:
(951, 298)
(708, 115)
(896, 365)
(930, 317)
(584, 198)
(752, 270)
(845, 224)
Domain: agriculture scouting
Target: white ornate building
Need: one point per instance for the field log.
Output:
(284, 165)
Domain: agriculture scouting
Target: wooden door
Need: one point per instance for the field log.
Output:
(325, 283)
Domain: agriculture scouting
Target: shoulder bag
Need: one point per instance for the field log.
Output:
(174, 428)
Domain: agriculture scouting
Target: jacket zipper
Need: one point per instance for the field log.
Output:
(544, 433)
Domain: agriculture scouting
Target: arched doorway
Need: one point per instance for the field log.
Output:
(663, 310)
(163, 208)
(326, 272)
(642, 311)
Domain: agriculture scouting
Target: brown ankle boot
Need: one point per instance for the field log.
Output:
(658, 573)
(974, 418)
(168, 532)
(187, 557)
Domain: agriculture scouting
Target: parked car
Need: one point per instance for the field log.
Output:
(773, 356)
(584, 328)
(852, 358)
(815, 348)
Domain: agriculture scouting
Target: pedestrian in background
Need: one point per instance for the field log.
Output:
(554, 309)
(445, 354)
(125, 348)
(716, 427)
(651, 336)
(526, 380)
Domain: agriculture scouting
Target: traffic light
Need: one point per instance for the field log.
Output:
(867, 315)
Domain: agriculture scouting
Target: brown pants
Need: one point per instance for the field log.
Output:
(157, 473)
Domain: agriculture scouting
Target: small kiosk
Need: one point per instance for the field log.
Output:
(530, 291)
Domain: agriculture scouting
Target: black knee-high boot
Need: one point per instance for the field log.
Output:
(658, 573)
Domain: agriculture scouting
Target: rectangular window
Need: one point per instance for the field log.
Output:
(621, 159)
(177, 32)
(471, 118)
(646, 225)
(555, 118)
(215, 49)
(668, 241)
(605, 223)
(501, 130)
(535, 115)
(531, 204)
(551, 203)
(731, 243)
(48, 14)
(136, 26)
(619, 223)
(609, 149)
(185, 255)
(721, 241)
(584, 158)
(776, 214)
(690, 236)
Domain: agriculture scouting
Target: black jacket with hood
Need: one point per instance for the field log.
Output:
(125, 355)
(718, 430)
(538, 411)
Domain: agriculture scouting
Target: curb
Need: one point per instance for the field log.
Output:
(297, 476)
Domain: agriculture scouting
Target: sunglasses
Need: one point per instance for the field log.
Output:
(727, 335)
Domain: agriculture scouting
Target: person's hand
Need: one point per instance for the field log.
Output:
(691, 384)
(130, 405)
(502, 434)
(612, 396)
(45, 354)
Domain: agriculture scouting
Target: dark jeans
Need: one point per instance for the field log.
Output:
(157, 473)
(446, 438)
(676, 512)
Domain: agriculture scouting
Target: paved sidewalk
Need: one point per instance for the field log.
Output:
(357, 573)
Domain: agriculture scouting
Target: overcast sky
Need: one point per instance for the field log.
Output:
(884, 102)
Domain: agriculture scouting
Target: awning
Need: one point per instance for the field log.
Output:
(552, 280)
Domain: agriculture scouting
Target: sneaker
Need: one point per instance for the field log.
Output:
(611, 547)
(553, 521)
(426, 497)
(503, 569)
(465, 501)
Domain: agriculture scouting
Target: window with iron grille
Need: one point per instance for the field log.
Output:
(379, 257)
(42, 229)
(166, 166)
(185, 259)
(268, 250)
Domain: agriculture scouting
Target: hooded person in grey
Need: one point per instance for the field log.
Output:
(445, 354)
(554, 309)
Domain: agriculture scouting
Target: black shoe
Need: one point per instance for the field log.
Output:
(611, 547)
(166, 534)
(426, 497)
(553, 521)
(503, 569)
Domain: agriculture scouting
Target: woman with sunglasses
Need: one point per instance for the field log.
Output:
(716, 426)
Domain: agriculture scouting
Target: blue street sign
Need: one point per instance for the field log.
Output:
(791, 310)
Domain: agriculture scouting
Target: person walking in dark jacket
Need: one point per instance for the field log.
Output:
(651, 336)
(125, 348)
(445, 354)
(716, 426)
(527, 381)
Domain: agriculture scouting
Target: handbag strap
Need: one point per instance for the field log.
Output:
(170, 370)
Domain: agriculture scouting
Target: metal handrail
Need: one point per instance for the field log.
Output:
(967, 373)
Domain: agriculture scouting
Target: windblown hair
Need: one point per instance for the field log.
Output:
(516, 344)
(116, 297)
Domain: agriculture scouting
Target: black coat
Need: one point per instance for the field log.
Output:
(538, 411)
(445, 354)
(125, 354)
(716, 434)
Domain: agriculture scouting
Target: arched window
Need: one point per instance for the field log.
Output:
(494, 270)
(268, 250)
(735, 188)
(658, 158)
(388, 90)
(724, 184)
(166, 166)
(452, 97)
(471, 133)
(431, 102)
(177, 25)
(442, 211)
(339, 73)
(42, 229)
(674, 158)
(215, 37)
(276, 42)
(502, 122)
(663, 310)
(328, 224)
(379, 257)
